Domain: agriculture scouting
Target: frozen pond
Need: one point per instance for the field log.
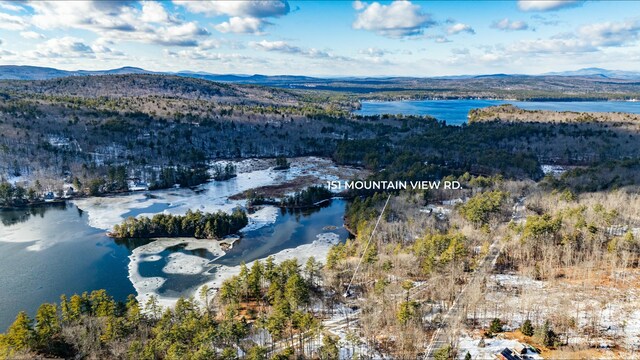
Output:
(62, 249)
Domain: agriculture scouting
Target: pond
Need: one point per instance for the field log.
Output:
(62, 249)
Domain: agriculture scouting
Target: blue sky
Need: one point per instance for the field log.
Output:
(323, 38)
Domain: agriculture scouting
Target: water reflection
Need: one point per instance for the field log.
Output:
(16, 216)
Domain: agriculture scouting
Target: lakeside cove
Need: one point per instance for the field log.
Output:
(65, 247)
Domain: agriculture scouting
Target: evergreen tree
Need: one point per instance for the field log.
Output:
(496, 326)
(20, 335)
(527, 328)
(329, 349)
(47, 324)
(545, 334)
(444, 353)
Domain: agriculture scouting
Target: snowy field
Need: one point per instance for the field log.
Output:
(604, 315)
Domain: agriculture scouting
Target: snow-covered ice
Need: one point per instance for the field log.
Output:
(318, 249)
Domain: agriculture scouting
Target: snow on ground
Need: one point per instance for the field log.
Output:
(555, 170)
(512, 280)
(105, 212)
(492, 347)
(609, 310)
(318, 249)
(265, 216)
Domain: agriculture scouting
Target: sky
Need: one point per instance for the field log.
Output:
(323, 38)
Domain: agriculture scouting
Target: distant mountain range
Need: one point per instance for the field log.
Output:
(16, 72)
(599, 72)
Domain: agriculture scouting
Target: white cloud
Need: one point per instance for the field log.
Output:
(199, 54)
(508, 25)
(547, 5)
(12, 22)
(552, 46)
(359, 5)
(611, 33)
(68, 47)
(153, 12)
(284, 47)
(459, 28)
(442, 40)
(281, 46)
(246, 17)
(399, 19)
(240, 25)
(31, 35)
(9, 6)
(257, 9)
(373, 52)
(118, 21)
(588, 38)
(5, 53)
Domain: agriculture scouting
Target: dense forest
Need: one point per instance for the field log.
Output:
(308, 197)
(270, 297)
(167, 130)
(549, 260)
(192, 224)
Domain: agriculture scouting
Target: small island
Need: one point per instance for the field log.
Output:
(193, 224)
(310, 197)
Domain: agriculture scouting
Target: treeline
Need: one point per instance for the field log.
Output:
(360, 211)
(308, 197)
(226, 172)
(568, 230)
(279, 297)
(183, 176)
(15, 195)
(193, 224)
(268, 297)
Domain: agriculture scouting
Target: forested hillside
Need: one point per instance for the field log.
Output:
(96, 132)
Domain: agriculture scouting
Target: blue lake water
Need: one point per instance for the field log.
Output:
(52, 250)
(455, 112)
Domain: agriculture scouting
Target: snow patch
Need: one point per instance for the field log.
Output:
(319, 249)
(179, 263)
(184, 264)
(261, 218)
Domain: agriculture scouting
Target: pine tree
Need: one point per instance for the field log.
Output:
(444, 353)
(545, 334)
(20, 335)
(296, 291)
(47, 324)
(526, 328)
(329, 349)
(133, 310)
(255, 279)
(496, 326)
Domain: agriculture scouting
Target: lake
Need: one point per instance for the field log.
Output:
(455, 112)
(52, 250)
(62, 249)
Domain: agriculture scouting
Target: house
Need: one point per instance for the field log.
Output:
(508, 354)
(137, 185)
(68, 192)
(49, 196)
(453, 202)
